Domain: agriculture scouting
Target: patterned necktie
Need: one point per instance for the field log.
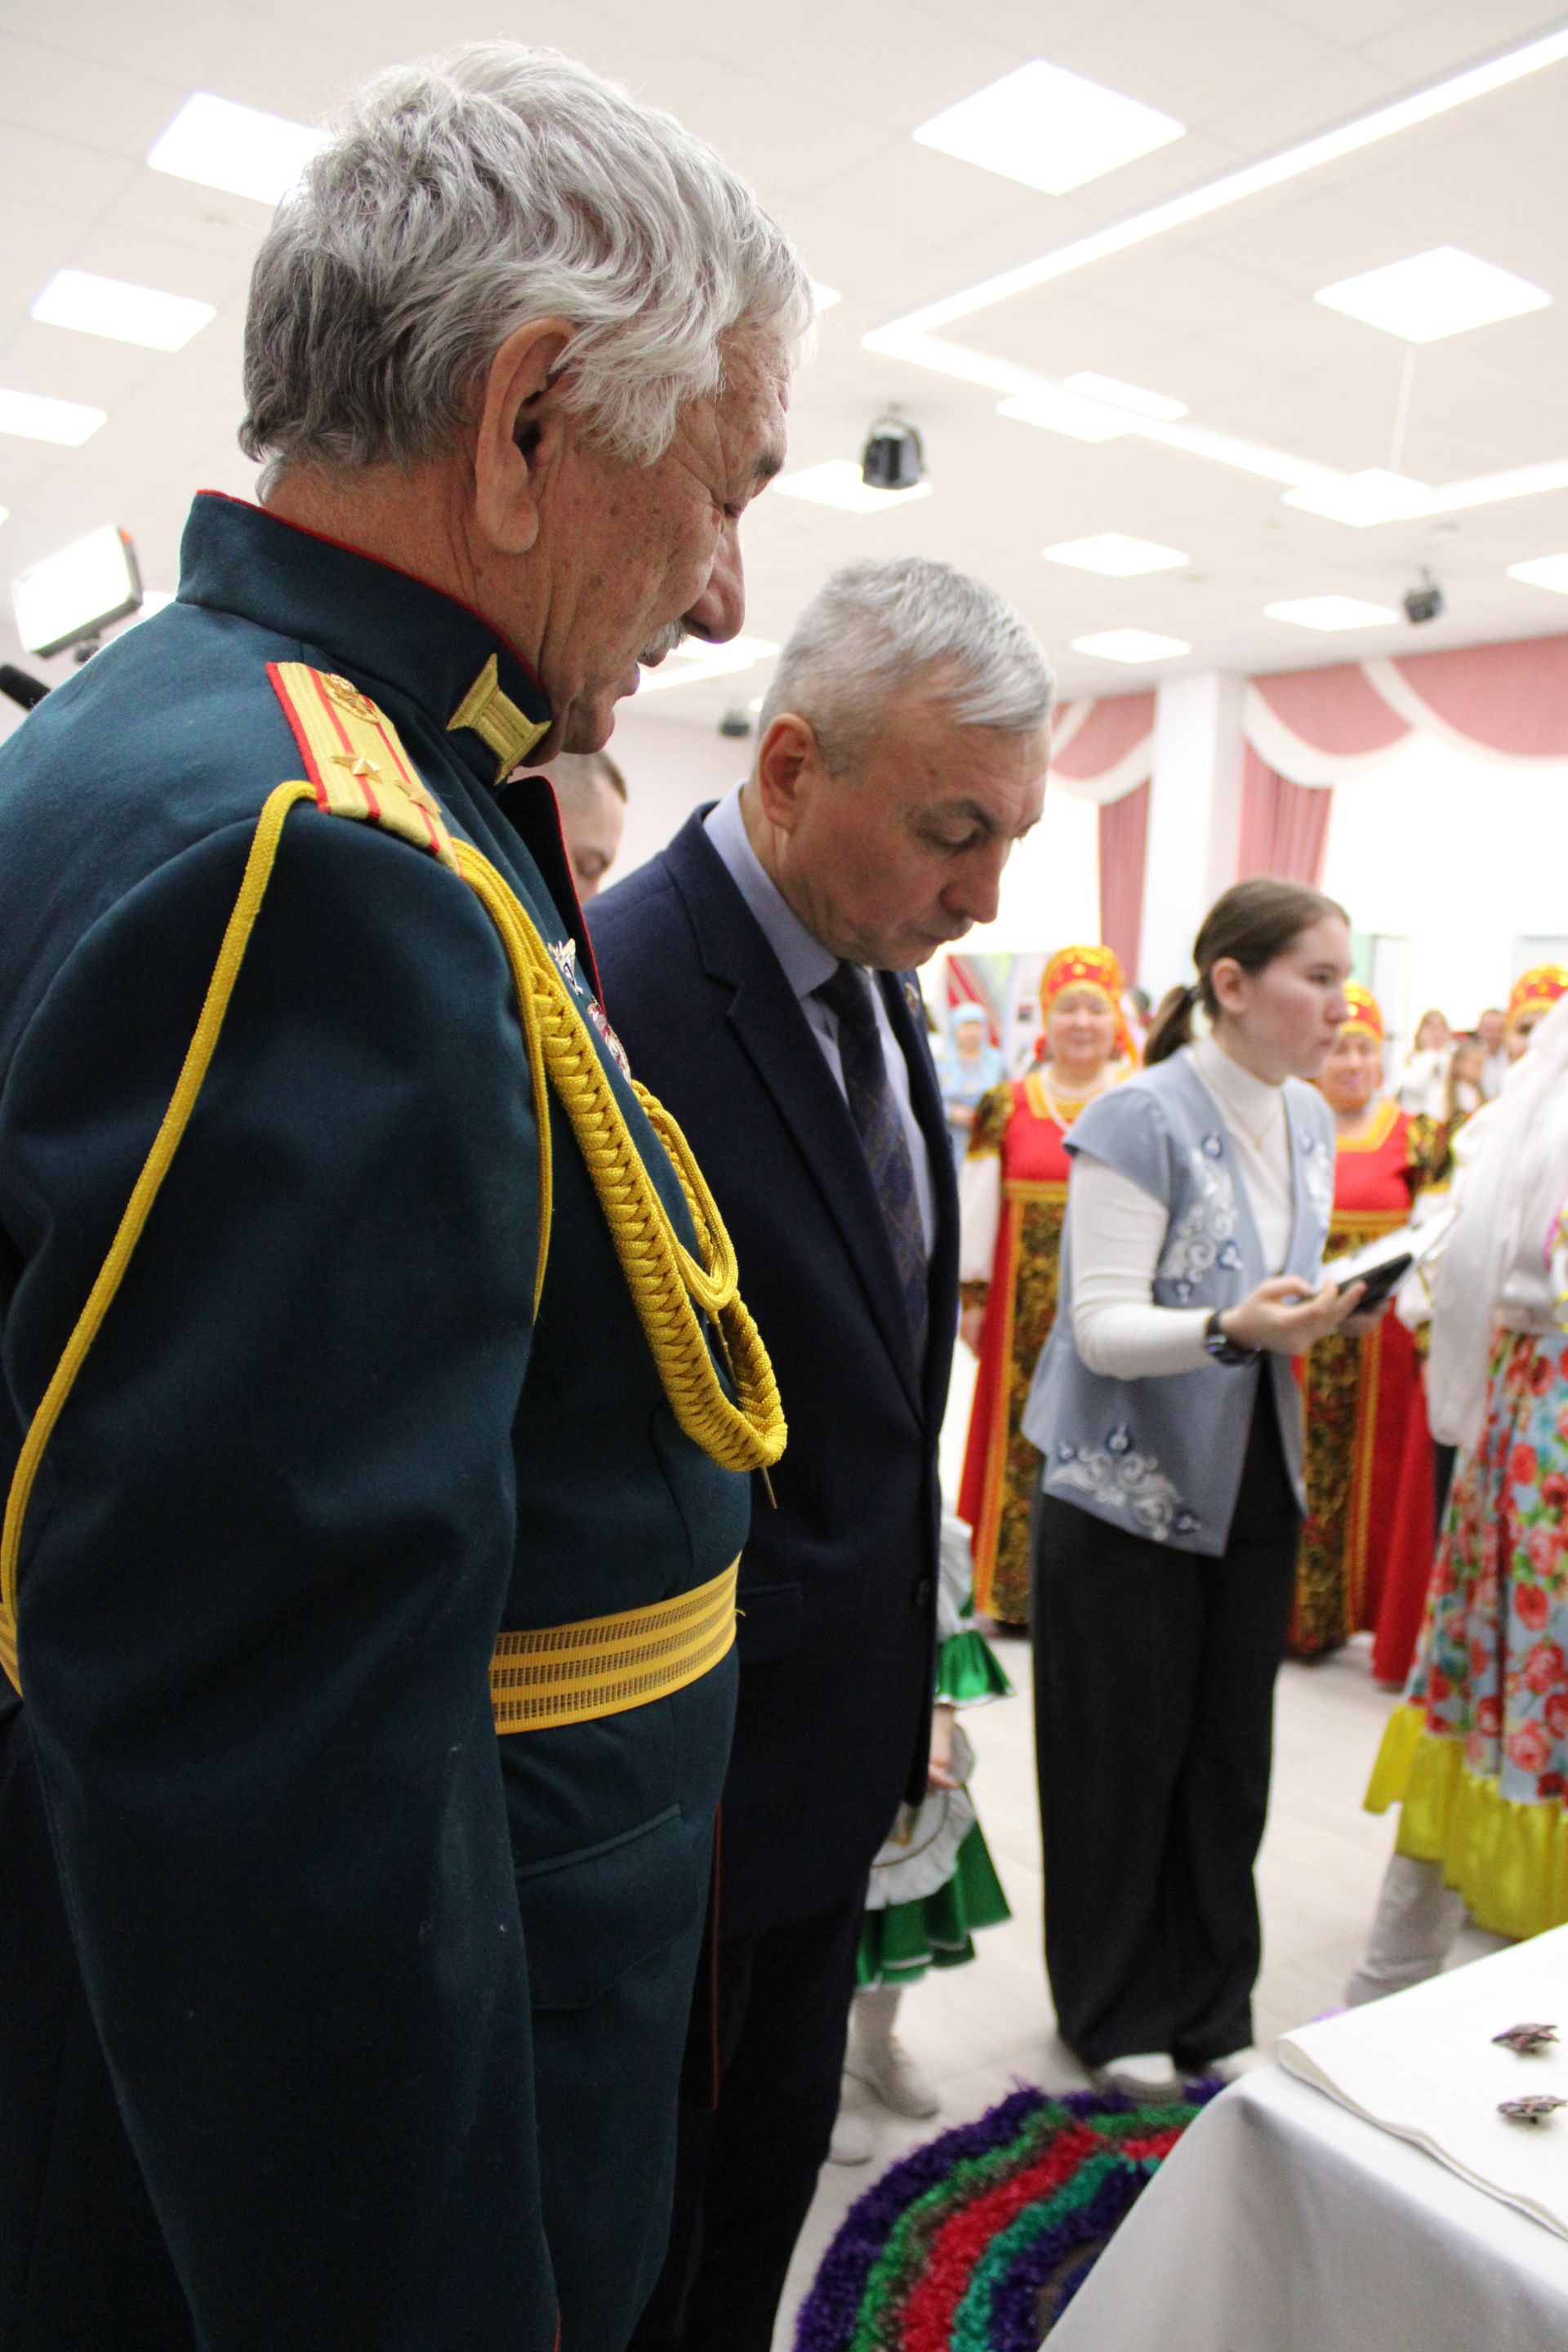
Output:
(874, 1107)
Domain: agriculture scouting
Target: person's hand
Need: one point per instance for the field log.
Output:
(960, 1115)
(971, 1322)
(1286, 1315)
(939, 1768)
(1366, 1318)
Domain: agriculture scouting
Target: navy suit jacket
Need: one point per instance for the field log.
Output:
(838, 1583)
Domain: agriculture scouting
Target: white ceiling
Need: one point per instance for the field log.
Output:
(816, 104)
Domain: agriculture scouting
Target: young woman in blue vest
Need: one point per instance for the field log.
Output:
(1168, 1414)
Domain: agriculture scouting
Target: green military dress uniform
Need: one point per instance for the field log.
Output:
(328, 2016)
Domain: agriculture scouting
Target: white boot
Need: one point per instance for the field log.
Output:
(1147, 2075)
(1413, 1931)
(851, 2142)
(879, 2059)
(1236, 2063)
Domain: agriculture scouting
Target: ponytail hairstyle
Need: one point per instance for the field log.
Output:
(1250, 924)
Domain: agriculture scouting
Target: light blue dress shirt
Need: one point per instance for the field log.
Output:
(807, 964)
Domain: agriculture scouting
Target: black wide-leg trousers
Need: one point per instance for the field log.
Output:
(1154, 1675)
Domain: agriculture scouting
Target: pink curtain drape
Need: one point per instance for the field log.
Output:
(1104, 753)
(1284, 826)
(1505, 703)
(1123, 850)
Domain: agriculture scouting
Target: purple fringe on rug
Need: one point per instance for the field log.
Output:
(828, 2317)
(1016, 2305)
(825, 2321)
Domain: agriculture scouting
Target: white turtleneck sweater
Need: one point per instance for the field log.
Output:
(1117, 1232)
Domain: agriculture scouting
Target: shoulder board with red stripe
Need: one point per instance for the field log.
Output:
(354, 760)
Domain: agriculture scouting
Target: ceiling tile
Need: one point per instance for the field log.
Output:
(1197, 64)
(718, 28)
(1443, 40)
(1352, 21)
(80, 180)
(786, 151)
(886, 60)
(928, 200)
(180, 39)
(99, 106)
(1332, 91)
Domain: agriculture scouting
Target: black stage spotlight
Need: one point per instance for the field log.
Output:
(1425, 601)
(892, 458)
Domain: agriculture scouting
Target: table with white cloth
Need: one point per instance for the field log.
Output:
(1282, 2222)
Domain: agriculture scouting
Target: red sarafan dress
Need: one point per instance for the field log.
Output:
(1024, 1129)
(1365, 1418)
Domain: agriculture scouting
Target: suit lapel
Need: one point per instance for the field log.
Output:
(906, 1012)
(773, 1033)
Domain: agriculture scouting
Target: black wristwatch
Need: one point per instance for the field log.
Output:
(1224, 1349)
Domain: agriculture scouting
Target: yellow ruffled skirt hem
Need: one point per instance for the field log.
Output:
(1510, 1860)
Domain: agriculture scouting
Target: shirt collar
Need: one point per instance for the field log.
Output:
(806, 963)
(381, 622)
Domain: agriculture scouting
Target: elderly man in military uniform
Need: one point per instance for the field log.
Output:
(378, 1398)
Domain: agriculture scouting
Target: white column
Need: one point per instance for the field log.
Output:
(1195, 818)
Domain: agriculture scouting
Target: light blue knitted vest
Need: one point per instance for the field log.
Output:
(1162, 1457)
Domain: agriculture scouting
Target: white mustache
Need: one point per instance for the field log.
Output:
(665, 642)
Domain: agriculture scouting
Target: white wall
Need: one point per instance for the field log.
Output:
(1050, 888)
(1458, 856)
(671, 767)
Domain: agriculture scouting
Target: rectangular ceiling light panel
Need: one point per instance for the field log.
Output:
(124, 313)
(1132, 645)
(1331, 612)
(34, 418)
(1542, 571)
(1372, 495)
(1443, 292)
(220, 144)
(1116, 555)
(837, 483)
(75, 593)
(1065, 412)
(1051, 128)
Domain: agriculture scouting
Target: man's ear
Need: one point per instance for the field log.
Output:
(787, 756)
(522, 424)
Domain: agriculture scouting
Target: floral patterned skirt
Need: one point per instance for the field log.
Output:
(1478, 1754)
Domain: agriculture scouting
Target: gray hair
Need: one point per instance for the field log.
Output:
(460, 198)
(874, 628)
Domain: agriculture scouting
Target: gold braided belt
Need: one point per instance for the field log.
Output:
(572, 1673)
(359, 769)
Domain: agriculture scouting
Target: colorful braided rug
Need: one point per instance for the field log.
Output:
(978, 2240)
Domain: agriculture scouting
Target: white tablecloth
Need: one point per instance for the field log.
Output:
(1281, 2222)
(1425, 2066)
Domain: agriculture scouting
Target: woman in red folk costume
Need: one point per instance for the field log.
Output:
(1364, 1405)
(1015, 1190)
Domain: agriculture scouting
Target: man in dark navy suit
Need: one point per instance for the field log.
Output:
(761, 972)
